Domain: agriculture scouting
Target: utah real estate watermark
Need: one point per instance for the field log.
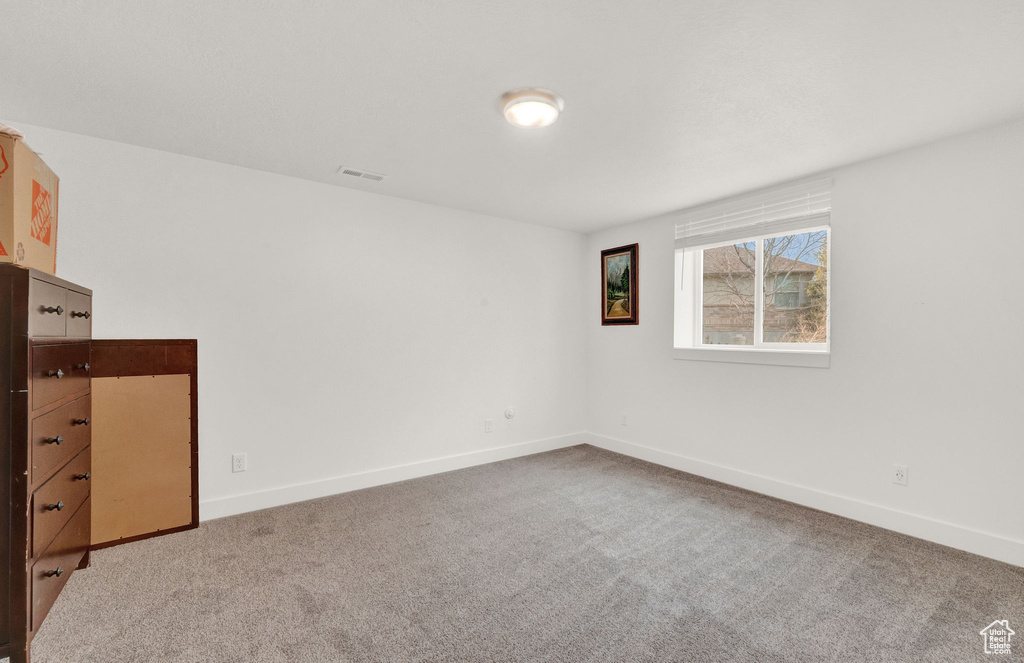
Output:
(997, 637)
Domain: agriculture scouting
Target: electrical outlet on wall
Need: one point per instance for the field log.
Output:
(899, 474)
(488, 425)
(238, 462)
(625, 419)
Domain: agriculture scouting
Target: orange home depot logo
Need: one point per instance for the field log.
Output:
(3, 251)
(42, 213)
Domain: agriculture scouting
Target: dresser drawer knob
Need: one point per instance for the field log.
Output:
(82, 367)
(59, 310)
(54, 440)
(59, 572)
(55, 374)
(59, 506)
(83, 477)
(81, 314)
(81, 422)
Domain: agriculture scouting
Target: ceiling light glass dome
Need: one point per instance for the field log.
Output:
(531, 107)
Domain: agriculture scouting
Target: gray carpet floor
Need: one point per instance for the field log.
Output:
(574, 555)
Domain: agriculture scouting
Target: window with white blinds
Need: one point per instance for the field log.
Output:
(752, 277)
(774, 211)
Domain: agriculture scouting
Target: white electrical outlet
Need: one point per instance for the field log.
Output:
(625, 420)
(238, 462)
(899, 474)
(488, 425)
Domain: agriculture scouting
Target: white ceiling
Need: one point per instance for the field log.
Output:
(667, 103)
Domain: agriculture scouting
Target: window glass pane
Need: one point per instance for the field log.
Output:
(728, 295)
(796, 288)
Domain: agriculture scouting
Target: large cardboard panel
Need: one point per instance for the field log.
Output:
(141, 455)
(28, 207)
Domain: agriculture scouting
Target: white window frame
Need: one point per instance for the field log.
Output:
(689, 305)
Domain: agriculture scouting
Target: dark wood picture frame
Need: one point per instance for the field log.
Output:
(620, 301)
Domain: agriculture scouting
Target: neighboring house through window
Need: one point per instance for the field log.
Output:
(752, 274)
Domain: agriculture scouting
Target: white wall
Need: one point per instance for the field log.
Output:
(340, 332)
(927, 357)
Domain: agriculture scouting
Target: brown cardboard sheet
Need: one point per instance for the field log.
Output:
(141, 455)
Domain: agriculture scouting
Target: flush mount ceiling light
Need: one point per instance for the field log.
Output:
(531, 107)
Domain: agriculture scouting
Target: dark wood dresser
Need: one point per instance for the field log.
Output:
(45, 453)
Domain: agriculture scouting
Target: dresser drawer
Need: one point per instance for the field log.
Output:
(52, 570)
(56, 437)
(79, 315)
(58, 371)
(55, 502)
(47, 309)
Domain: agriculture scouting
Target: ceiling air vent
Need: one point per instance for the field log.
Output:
(361, 174)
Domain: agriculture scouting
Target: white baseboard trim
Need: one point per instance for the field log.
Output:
(986, 544)
(231, 505)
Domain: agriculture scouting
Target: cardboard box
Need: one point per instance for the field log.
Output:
(28, 207)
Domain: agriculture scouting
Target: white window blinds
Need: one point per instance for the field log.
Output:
(768, 212)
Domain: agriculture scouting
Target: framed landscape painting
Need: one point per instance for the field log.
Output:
(619, 271)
